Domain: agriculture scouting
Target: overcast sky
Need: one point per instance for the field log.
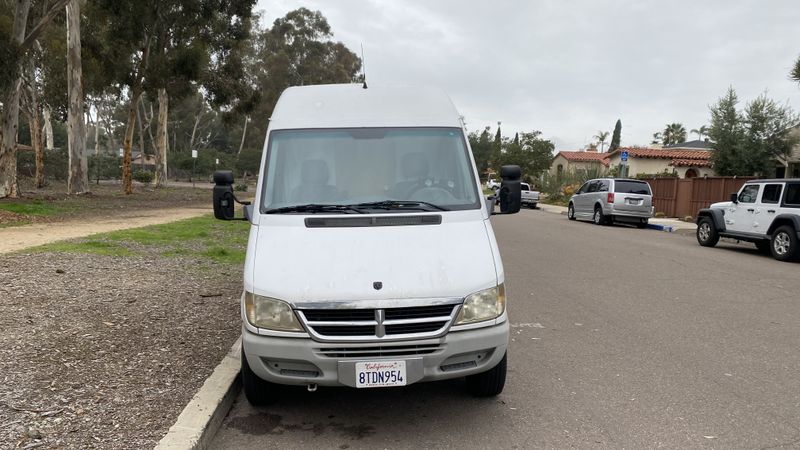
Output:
(571, 68)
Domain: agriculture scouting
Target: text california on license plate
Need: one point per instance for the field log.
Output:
(380, 374)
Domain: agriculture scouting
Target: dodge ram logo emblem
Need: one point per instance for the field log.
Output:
(377, 285)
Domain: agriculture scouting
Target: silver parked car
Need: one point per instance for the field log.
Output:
(607, 200)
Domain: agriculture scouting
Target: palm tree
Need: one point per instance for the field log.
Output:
(674, 133)
(700, 132)
(601, 137)
(656, 138)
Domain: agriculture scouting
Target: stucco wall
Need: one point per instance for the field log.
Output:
(653, 165)
(701, 171)
(575, 165)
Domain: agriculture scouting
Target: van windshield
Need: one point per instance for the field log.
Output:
(429, 166)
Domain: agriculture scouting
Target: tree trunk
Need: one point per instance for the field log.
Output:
(194, 131)
(161, 139)
(127, 186)
(141, 137)
(244, 134)
(109, 129)
(36, 143)
(9, 117)
(48, 127)
(96, 132)
(29, 104)
(78, 180)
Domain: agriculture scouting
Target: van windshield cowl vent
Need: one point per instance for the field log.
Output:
(375, 221)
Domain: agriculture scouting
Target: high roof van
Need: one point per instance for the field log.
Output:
(371, 260)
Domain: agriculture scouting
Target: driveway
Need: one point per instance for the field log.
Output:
(621, 338)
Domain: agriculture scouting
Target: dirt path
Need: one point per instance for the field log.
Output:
(18, 238)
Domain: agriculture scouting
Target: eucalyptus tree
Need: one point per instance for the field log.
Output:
(298, 49)
(16, 42)
(162, 46)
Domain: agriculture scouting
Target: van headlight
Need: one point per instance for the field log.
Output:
(484, 305)
(270, 313)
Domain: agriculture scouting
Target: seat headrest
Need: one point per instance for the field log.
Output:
(415, 165)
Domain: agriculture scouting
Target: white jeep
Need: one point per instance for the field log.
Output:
(765, 212)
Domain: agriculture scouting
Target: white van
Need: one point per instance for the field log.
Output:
(371, 260)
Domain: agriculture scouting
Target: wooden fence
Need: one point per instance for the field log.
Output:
(681, 197)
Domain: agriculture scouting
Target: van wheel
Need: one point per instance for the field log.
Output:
(642, 224)
(598, 218)
(784, 244)
(570, 212)
(707, 235)
(259, 392)
(489, 383)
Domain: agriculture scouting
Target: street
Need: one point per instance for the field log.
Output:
(621, 338)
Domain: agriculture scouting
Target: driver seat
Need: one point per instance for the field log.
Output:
(314, 187)
(414, 167)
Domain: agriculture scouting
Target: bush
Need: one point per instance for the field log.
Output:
(104, 166)
(663, 174)
(143, 176)
(561, 187)
(241, 187)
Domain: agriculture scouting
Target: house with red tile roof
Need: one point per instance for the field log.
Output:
(686, 163)
(588, 160)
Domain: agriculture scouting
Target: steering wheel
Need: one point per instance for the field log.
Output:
(432, 194)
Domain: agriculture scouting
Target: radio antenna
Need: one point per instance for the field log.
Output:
(363, 66)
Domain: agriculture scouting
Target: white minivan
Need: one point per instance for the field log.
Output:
(371, 260)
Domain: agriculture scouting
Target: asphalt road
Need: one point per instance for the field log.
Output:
(621, 338)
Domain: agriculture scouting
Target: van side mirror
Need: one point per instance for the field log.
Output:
(223, 195)
(224, 199)
(510, 189)
(735, 197)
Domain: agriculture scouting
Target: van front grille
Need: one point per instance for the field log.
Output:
(425, 327)
(376, 324)
(378, 351)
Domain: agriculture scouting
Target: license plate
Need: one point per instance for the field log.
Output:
(634, 202)
(380, 374)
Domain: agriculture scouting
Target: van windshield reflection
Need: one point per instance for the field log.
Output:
(368, 169)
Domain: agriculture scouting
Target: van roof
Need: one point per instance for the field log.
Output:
(352, 106)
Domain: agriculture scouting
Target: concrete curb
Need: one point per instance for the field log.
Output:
(199, 421)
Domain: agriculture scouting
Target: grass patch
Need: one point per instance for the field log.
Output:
(96, 247)
(201, 237)
(34, 208)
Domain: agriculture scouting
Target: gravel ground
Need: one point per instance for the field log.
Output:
(104, 352)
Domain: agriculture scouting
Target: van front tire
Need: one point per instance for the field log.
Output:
(259, 392)
(489, 383)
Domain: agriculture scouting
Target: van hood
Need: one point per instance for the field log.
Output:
(303, 265)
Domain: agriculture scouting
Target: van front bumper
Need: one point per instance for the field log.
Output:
(301, 361)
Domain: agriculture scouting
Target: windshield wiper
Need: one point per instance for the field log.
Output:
(400, 204)
(313, 208)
